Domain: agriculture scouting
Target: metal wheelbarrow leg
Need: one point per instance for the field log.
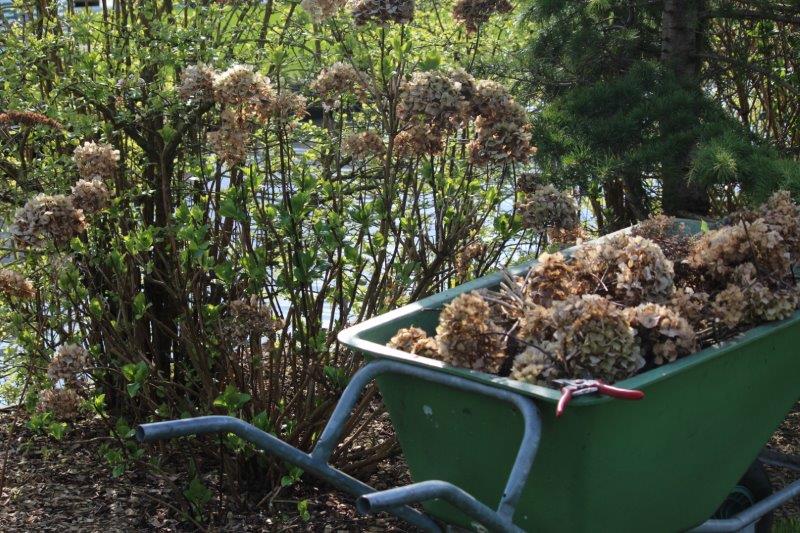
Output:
(397, 500)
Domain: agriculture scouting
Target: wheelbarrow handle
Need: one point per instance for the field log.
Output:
(316, 462)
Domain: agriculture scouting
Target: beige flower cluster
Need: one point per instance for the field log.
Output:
(247, 99)
(15, 285)
(630, 268)
(96, 160)
(464, 259)
(468, 337)
(473, 13)
(382, 12)
(197, 83)
(63, 403)
(662, 331)
(90, 196)
(338, 79)
(434, 102)
(415, 341)
(546, 207)
(583, 336)
(321, 10)
(45, 217)
(433, 98)
(68, 363)
(553, 278)
(364, 145)
(248, 317)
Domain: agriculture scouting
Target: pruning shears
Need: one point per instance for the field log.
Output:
(580, 387)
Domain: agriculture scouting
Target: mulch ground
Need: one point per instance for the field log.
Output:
(66, 486)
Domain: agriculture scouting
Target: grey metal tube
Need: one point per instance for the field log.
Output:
(751, 514)
(431, 490)
(204, 425)
(532, 425)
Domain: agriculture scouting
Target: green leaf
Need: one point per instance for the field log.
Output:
(197, 493)
(232, 399)
(704, 226)
(140, 305)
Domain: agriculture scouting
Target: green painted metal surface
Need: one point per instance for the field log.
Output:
(660, 464)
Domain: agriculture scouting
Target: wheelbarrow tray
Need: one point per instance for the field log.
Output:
(661, 464)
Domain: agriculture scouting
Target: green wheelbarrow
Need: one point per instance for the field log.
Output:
(488, 454)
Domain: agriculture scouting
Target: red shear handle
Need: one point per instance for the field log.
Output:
(616, 392)
(566, 396)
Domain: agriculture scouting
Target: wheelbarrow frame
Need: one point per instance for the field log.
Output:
(398, 500)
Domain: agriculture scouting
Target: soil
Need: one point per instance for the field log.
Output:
(65, 485)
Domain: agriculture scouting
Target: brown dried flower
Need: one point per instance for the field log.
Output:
(96, 160)
(535, 365)
(248, 317)
(662, 331)
(467, 335)
(241, 86)
(63, 403)
(630, 268)
(29, 118)
(382, 12)
(433, 98)
(729, 306)
(338, 79)
(690, 304)
(15, 285)
(546, 207)
(553, 278)
(464, 258)
(363, 145)
(418, 140)
(197, 83)
(321, 10)
(69, 361)
(47, 217)
(90, 196)
(231, 141)
(473, 13)
(415, 341)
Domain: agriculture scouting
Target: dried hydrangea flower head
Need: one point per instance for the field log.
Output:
(240, 85)
(96, 160)
(248, 317)
(729, 307)
(321, 10)
(501, 140)
(63, 403)
(663, 332)
(473, 13)
(536, 365)
(90, 196)
(765, 304)
(552, 278)
(197, 83)
(363, 145)
(28, 118)
(547, 207)
(719, 251)
(780, 213)
(588, 336)
(231, 141)
(15, 285)
(47, 217)
(69, 361)
(338, 79)
(418, 140)
(467, 335)
(595, 339)
(691, 305)
(466, 256)
(288, 106)
(415, 341)
(630, 268)
(382, 12)
(433, 98)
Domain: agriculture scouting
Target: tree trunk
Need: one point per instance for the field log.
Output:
(681, 34)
